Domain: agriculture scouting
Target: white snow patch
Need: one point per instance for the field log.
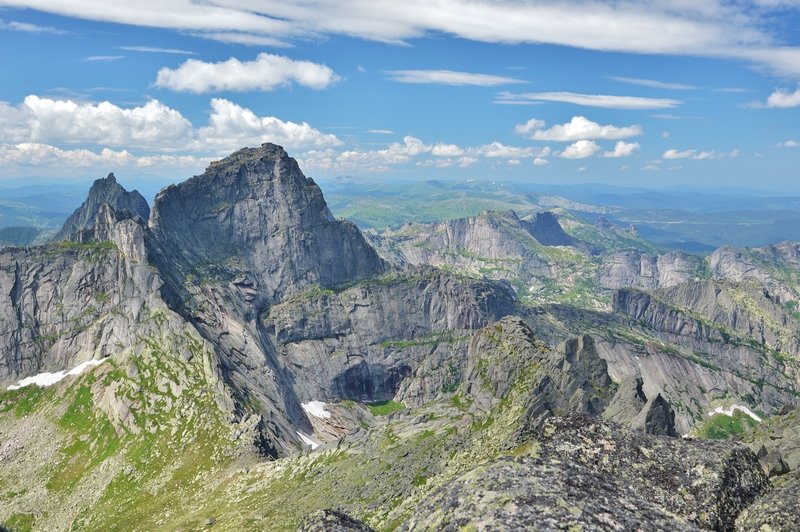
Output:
(307, 440)
(732, 409)
(48, 379)
(316, 409)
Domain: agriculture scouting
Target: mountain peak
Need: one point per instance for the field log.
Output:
(104, 191)
(257, 205)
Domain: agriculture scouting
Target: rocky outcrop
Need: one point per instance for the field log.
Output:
(777, 510)
(506, 357)
(331, 521)
(633, 268)
(595, 475)
(104, 192)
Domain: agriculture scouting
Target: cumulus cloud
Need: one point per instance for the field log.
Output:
(782, 98)
(45, 120)
(540, 161)
(265, 73)
(580, 150)
(152, 126)
(607, 101)
(579, 128)
(500, 150)
(449, 77)
(789, 144)
(690, 154)
(44, 155)
(447, 150)
(622, 149)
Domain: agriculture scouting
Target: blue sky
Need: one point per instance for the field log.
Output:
(653, 93)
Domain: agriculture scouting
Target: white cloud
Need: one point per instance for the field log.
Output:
(513, 162)
(30, 28)
(606, 101)
(789, 144)
(708, 28)
(44, 155)
(232, 126)
(103, 58)
(447, 150)
(247, 39)
(579, 128)
(665, 134)
(500, 150)
(45, 120)
(156, 50)
(690, 154)
(653, 83)
(540, 161)
(461, 162)
(579, 150)
(622, 149)
(782, 98)
(265, 73)
(152, 126)
(449, 77)
(380, 131)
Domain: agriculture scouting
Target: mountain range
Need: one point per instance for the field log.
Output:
(237, 357)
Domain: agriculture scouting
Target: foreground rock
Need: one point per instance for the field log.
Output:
(595, 475)
(331, 521)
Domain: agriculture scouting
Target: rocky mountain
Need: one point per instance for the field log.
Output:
(103, 192)
(240, 359)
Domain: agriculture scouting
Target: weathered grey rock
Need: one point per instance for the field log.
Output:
(104, 192)
(706, 483)
(776, 511)
(331, 521)
(506, 356)
(539, 494)
(258, 213)
(633, 268)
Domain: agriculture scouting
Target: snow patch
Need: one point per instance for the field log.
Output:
(308, 441)
(316, 409)
(729, 411)
(49, 379)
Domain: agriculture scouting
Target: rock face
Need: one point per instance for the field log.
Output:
(634, 268)
(66, 303)
(104, 192)
(595, 475)
(256, 208)
(546, 230)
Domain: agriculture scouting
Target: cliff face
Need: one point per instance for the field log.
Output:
(256, 211)
(68, 302)
(634, 268)
(104, 192)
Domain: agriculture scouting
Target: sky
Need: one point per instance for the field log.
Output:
(658, 93)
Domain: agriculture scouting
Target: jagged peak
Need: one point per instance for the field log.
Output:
(104, 192)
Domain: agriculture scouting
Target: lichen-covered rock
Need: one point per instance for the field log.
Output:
(331, 521)
(777, 511)
(540, 494)
(707, 483)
